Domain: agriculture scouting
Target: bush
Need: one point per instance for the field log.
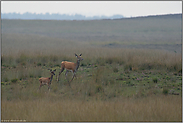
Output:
(14, 80)
(115, 70)
(165, 91)
(31, 75)
(5, 79)
(109, 60)
(98, 88)
(180, 71)
(83, 64)
(38, 64)
(23, 63)
(128, 67)
(57, 65)
(146, 66)
(155, 80)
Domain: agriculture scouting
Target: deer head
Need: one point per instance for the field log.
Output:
(52, 72)
(79, 57)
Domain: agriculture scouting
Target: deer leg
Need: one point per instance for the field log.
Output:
(40, 86)
(66, 76)
(66, 73)
(74, 75)
(49, 87)
(62, 69)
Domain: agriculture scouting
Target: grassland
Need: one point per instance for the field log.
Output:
(140, 32)
(118, 80)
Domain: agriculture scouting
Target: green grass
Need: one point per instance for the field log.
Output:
(97, 83)
(117, 76)
(96, 78)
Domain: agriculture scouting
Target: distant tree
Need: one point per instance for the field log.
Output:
(57, 16)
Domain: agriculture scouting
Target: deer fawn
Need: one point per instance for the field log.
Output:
(47, 81)
(70, 66)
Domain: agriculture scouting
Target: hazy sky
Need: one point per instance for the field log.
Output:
(91, 8)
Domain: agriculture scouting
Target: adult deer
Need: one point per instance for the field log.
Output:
(70, 66)
(47, 81)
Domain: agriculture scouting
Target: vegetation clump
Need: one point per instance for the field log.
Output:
(98, 88)
(165, 91)
(38, 64)
(155, 80)
(115, 69)
(14, 80)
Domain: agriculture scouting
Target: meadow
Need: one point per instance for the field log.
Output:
(132, 70)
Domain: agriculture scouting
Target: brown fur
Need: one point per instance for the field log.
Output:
(46, 81)
(70, 66)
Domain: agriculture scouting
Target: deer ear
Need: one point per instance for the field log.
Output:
(50, 69)
(76, 55)
(80, 54)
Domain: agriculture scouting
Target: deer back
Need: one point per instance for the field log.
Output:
(44, 80)
(68, 65)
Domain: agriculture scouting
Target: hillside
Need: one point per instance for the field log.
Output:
(162, 32)
(167, 16)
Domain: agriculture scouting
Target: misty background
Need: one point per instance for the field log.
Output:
(56, 16)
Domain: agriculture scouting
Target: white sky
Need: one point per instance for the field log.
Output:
(91, 8)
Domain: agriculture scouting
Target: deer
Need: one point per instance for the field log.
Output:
(70, 66)
(47, 81)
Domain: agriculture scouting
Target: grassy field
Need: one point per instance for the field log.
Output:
(123, 77)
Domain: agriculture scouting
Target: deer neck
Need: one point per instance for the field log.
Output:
(77, 64)
(51, 78)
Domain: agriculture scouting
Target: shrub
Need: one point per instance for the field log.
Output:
(14, 80)
(39, 76)
(168, 78)
(38, 64)
(128, 67)
(155, 80)
(31, 75)
(109, 60)
(146, 66)
(134, 68)
(180, 84)
(165, 91)
(13, 66)
(5, 79)
(115, 69)
(23, 63)
(57, 65)
(180, 71)
(89, 93)
(98, 88)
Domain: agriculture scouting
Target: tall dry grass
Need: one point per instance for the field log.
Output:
(49, 50)
(142, 58)
(154, 108)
